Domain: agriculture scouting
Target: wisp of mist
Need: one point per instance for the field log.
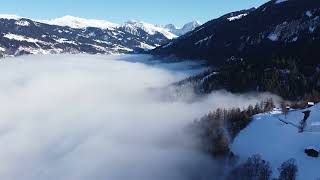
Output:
(75, 117)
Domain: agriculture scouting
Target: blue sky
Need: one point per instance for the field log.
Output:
(119, 11)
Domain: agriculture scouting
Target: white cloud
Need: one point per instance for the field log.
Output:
(97, 117)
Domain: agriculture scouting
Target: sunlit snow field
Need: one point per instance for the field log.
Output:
(278, 142)
(76, 117)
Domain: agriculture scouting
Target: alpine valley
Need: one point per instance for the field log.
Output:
(235, 98)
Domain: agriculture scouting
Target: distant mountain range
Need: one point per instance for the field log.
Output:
(279, 28)
(19, 36)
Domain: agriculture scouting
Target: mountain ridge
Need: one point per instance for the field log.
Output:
(277, 28)
(20, 35)
(273, 48)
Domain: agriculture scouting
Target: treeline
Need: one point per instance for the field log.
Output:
(314, 97)
(255, 168)
(217, 129)
(289, 78)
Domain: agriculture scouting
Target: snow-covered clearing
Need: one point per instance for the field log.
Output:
(21, 38)
(277, 138)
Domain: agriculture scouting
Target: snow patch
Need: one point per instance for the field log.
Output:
(294, 39)
(280, 1)
(146, 46)
(102, 42)
(167, 45)
(97, 47)
(33, 50)
(64, 40)
(273, 37)
(122, 48)
(208, 77)
(237, 17)
(309, 14)
(203, 40)
(22, 23)
(20, 38)
(312, 29)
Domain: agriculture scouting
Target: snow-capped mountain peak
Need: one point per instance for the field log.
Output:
(130, 26)
(79, 23)
(170, 26)
(192, 24)
(152, 29)
(186, 28)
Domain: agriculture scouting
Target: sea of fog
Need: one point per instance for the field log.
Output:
(76, 117)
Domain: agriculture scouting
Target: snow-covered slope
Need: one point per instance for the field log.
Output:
(76, 22)
(277, 138)
(134, 26)
(130, 26)
(278, 28)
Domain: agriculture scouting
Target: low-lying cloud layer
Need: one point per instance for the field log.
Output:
(96, 117)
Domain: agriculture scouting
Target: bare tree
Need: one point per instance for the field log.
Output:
(254, 168)
(284, 108)
(288, 170)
